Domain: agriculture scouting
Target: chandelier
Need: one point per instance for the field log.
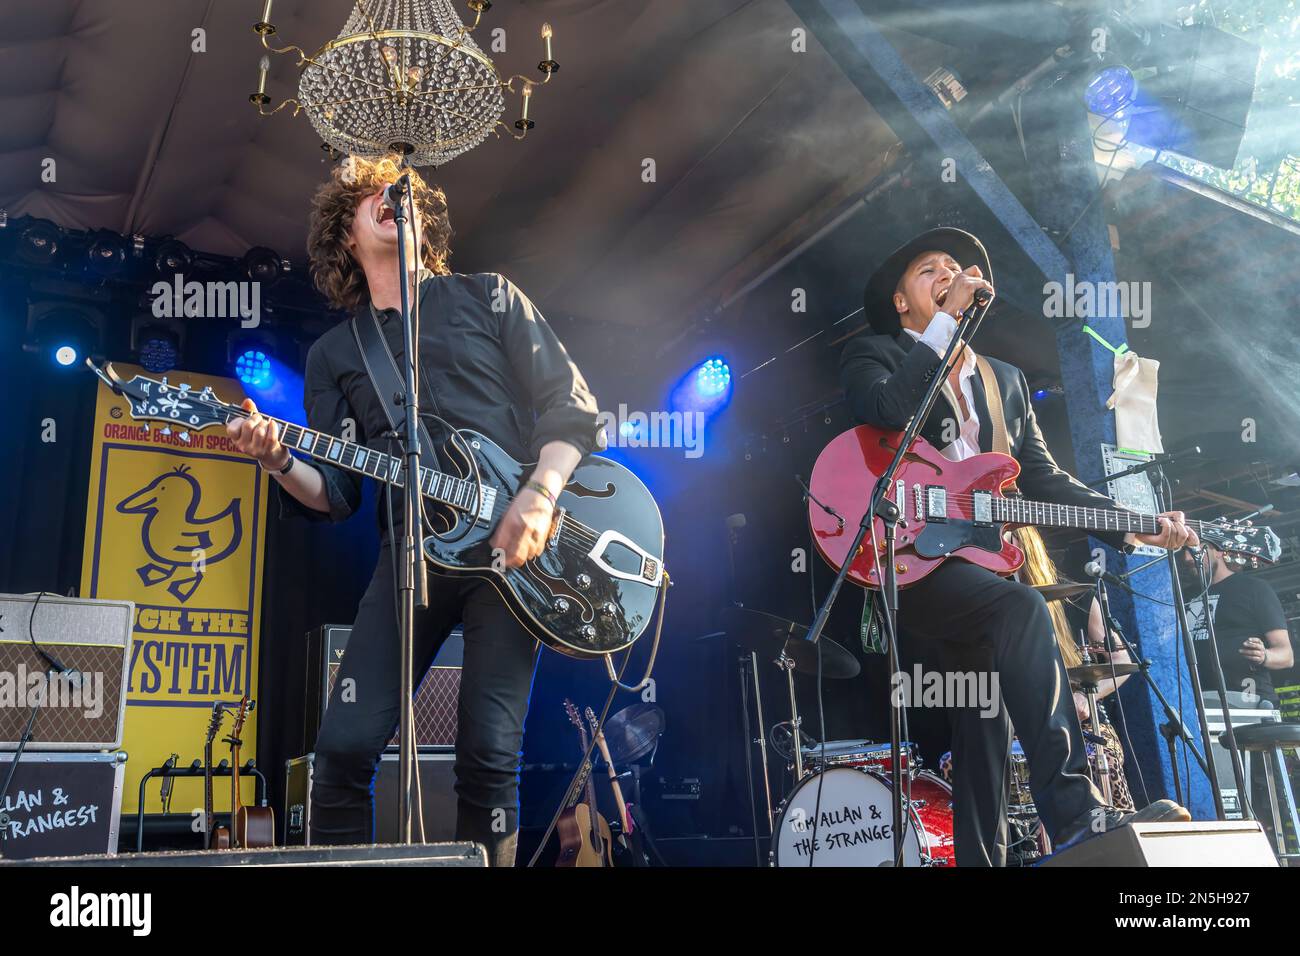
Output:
(403, 76)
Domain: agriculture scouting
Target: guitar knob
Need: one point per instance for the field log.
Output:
(560, 605)
(588, 631)
(609, 608)
(584, 581)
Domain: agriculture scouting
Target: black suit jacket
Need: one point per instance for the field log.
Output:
(885, 378)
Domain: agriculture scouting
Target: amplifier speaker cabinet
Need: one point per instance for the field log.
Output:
(82, 711)
(437, 789)
(60, 804)
(435, 701)
(1211, 843)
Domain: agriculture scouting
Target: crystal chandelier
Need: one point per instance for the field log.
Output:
(403, 76)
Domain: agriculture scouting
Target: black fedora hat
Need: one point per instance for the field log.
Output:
(878, 296)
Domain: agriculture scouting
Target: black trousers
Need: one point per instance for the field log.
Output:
(962, 618)
(496, 681)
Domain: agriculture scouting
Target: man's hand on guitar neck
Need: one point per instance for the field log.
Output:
(1173, 533)
(258, 437)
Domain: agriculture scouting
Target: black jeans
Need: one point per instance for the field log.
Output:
(496, 681)
(964, 618)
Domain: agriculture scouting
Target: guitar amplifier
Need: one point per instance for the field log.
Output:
(84, 710)
(437, 792)
(435, 700)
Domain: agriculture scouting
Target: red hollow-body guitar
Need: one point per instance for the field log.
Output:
(957, 509)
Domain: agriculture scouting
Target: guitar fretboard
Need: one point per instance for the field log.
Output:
(459, 493)
(1044, 513)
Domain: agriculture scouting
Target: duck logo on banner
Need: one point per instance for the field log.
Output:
(177, 537)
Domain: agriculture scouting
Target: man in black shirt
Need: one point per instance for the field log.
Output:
(1249, 629)
(489, 361)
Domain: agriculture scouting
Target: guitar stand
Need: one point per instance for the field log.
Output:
(195, 769)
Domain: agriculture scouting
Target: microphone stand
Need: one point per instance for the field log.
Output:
(1238, 771)
(891, 516)
(412, 586)
(1173, 727)
(1193, 671)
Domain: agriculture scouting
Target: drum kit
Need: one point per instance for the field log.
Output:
(838, 809)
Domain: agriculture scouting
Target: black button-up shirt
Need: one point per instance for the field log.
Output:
(488, 361)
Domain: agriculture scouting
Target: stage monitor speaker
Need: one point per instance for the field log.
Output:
(435, 701)
(429, 854)
(437, 789)
(1211, 843)
(81, 711)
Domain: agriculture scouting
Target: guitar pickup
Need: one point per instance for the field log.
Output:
(982, 507)
(936, 503)
(487, 500)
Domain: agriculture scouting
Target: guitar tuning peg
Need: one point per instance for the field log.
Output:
(185, 437)
(146, 426)
(166, 430)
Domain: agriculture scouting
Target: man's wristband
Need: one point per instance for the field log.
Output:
(535, 485)
(288, 465)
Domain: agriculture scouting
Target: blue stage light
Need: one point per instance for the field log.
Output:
(1110, 91)
(65, 354)
(713, 378)
(253, 368)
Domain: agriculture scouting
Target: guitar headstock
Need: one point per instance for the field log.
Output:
(157, 400)
(241, 714)
(594, 724)
(214, 721)
(1243, 540)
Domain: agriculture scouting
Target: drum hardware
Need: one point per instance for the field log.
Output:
(1062, 590)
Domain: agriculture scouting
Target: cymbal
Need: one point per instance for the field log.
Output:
(1062, 590)
(631, 733)
(1095, 673)
(769, 636)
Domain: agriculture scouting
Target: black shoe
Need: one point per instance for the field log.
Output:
(1103, 819)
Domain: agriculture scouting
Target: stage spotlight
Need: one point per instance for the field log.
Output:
(66, 332)
(173, 257)
(38, 243)
(1110, 91)
(107, 255)
(253, 367)
(705, 388)
(262, 264)
(158, 343)
(713, 378)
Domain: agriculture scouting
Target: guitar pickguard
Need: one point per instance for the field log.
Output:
(939, 539)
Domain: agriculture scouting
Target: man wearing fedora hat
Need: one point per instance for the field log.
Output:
(963, 616)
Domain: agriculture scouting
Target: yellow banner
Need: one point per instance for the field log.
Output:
(179, 528)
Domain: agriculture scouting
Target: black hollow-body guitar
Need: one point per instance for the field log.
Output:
(592, 591)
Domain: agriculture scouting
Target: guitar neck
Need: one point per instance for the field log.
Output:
(459, 493)
(1050, 515)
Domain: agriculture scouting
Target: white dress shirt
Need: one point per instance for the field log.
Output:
(937, 335)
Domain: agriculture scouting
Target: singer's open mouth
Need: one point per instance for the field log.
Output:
(383, 213)
(942, 296)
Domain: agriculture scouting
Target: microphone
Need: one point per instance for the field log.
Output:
(396, 192)
(167, 782)
(1257, 512)
(1094, 570)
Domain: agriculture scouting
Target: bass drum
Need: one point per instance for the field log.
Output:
(853, 826)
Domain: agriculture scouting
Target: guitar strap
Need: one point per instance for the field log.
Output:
(381, 367)
(993, 399)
